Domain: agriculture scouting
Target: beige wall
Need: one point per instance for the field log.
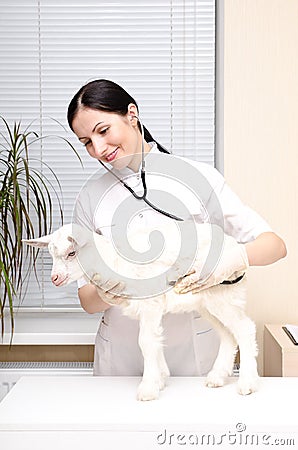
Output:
(261, 139)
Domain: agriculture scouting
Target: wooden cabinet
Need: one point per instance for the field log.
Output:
(280, 353)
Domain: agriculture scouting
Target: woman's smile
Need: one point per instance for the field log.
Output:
(112, 156)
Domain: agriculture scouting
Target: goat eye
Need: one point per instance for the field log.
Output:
(71, 254)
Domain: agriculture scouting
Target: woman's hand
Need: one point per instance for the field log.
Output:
(266, 249)
(109, 291)
(231, 264)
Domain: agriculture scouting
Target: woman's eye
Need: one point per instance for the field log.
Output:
(86, 143)
(71, 254)
(104, 131)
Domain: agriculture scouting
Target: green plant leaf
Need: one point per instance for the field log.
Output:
(27, 197)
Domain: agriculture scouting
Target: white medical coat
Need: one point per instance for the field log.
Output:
(190, 342)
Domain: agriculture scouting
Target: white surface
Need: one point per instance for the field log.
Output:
(57, 327)
(106, 403)
(62, 411)
(59, 338)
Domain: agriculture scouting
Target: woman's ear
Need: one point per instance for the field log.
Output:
(132, 113)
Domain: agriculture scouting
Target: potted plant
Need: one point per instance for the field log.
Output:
(26, 210)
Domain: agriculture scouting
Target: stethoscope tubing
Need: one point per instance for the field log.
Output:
(142, 197)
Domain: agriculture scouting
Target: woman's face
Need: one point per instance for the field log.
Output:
(110, 137)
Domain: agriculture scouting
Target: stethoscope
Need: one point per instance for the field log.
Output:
(143, 178)
(144, 195)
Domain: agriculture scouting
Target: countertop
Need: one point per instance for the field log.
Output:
(56, 411)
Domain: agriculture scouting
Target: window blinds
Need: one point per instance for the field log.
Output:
(162, 52)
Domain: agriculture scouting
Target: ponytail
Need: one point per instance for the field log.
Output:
(148, 138)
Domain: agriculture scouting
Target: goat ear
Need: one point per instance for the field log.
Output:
(77, 234)
(78, 241)
(39, 242)
(72, 240)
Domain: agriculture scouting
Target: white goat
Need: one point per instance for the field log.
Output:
(75, 252)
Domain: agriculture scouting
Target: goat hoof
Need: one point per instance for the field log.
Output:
(147, 392)
(163, 379)
(165, 373)
(214, 380)
(162, 382)
(247, 386)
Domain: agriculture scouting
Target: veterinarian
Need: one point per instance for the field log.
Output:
(105, 119)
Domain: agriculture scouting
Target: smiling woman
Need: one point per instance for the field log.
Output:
(114, 137)
(109, 126)
(49, 49)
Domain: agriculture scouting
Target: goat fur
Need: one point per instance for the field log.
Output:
(222, 305)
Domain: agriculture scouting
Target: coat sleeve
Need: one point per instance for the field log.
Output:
(238, 219)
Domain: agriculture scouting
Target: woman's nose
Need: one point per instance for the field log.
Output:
(99, 148)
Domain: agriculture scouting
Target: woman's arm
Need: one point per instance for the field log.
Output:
(91, 302)
(99, 295)
(266, 249)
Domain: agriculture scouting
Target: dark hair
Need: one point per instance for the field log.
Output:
(105, 95)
